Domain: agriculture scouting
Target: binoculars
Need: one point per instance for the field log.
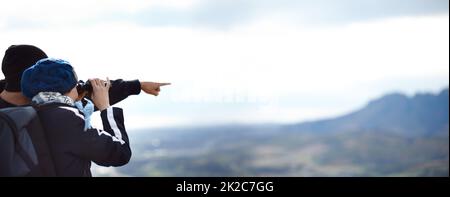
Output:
(84, 87)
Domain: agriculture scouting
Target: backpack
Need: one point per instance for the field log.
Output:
(24, 150)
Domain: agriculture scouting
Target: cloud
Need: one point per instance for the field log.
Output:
(224, 14)
(217, 14)
(29, 14)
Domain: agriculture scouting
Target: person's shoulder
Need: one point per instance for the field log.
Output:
(62, 111)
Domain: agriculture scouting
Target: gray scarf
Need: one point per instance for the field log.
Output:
(56, 97)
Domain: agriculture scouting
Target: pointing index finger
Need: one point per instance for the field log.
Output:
(164, 84)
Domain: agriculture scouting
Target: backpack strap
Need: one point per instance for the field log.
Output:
(25, 156)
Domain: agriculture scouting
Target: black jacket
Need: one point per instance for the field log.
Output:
(119, 91)
(73, 149)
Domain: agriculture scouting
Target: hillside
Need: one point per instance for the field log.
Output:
(421, 115)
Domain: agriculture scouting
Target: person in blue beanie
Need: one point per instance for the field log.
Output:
(51, 85)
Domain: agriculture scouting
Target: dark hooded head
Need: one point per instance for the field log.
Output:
(16, 60)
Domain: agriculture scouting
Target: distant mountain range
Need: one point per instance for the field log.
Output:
(394, 135)
(423, 114)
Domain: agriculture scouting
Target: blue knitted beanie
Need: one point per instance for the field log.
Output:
(48, 75)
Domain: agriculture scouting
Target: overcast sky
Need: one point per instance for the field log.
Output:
(243, 60)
